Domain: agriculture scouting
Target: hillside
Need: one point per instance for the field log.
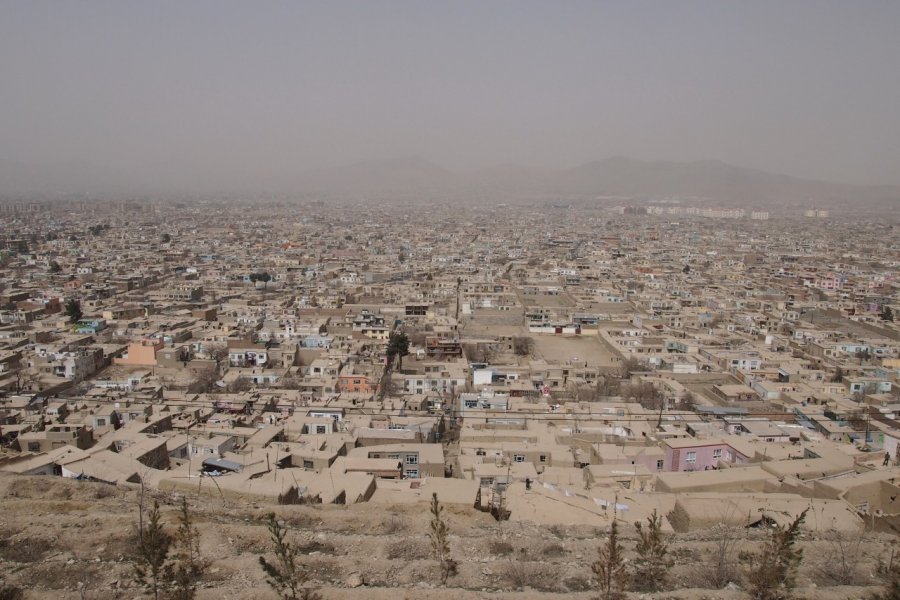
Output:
(56, 533)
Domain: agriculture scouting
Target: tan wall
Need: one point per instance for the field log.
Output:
(139, 354)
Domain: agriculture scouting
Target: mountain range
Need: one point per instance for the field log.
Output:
(625, 179)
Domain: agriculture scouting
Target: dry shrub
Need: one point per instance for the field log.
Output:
(253, 544)
(299, 519)
(394, 524)
(578, 583)
(406, 549)
(44, 488)
(841, 560)
(520, 574)
(102, 490)
(553, 550)
(25, 550)
(117, 547)
(11, 592)
(720, 566)
(500, 548)
(559, 531)
(62, 576)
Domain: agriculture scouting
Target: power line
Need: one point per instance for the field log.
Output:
(478, 413)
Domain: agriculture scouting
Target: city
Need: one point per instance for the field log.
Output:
(563, 368)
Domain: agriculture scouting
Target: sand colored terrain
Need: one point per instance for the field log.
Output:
(55, 533)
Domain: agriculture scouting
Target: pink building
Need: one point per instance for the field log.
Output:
(690, 454)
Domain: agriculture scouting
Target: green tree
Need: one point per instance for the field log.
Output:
(887, 314)
(398, 347)
(285, 575)
(152, 552)
(610, 567)
(165, 238)
(652, 564)
(187, 566)
(772, 576)
(73, 310)
(838, 376)
(54, 267)
(440, 540)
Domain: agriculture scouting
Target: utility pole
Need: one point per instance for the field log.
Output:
(868, 420)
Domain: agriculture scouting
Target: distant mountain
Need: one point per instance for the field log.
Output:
(714, 181)
(702, 182)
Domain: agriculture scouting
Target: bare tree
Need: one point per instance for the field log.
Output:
(630, 366)
(204, 381)
(607, 386)
(840, 562)
(687, 402)
(478, 352)
(838, 376)
(645, 393)
(217, 352)
(241, 384)
(26, 378)
(722, 569)
(522, 346)
(890, 572)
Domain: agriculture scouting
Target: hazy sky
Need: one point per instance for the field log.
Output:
(809, 88)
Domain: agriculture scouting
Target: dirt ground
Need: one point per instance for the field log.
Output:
(56, 534)
(560, 348)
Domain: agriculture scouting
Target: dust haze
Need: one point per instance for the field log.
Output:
(209, 97)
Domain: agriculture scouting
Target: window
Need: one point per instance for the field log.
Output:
(412, 459)
(34, 446)
(691, 457)
(307, 464)
(660, 464)
(414, 474)
(471, 403)
(542, 458)
(519, 458)
(320, 429)
(101, 422)
(717, 453)
(394, 456)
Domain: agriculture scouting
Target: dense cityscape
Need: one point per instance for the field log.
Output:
(558, 366)
(402, 300)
